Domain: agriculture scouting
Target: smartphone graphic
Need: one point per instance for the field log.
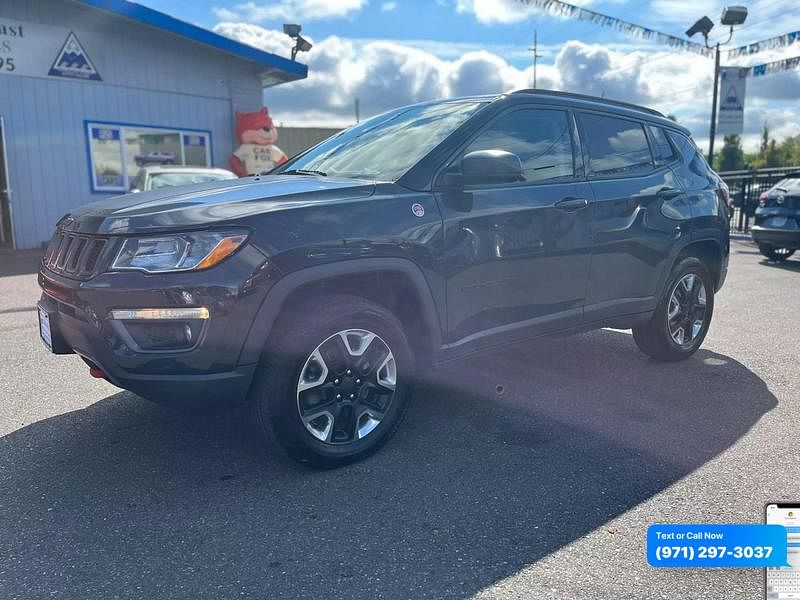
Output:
(783, 583)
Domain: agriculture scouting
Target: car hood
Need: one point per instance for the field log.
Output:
(206, 203)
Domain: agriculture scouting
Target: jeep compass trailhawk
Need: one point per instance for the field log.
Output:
(426, 232)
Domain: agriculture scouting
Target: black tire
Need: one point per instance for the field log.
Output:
(654, 337)
(275, 393)
(773, 253)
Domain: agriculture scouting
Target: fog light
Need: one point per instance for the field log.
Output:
(162, 335)
(137, 314)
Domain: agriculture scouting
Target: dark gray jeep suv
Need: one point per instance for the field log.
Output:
(427, 232)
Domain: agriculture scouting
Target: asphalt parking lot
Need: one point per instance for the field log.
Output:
(531, 473)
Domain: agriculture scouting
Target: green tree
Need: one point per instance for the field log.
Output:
(772, 155)
(731, 157)
(764, 139)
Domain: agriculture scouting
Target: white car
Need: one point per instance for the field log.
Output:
(153, 177)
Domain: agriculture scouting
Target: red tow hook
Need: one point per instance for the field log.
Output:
(97, 372)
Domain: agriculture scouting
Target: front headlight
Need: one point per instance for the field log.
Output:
(178, 252)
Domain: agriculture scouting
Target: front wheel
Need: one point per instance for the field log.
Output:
(773, 253)
(334, 381)
(681, 319)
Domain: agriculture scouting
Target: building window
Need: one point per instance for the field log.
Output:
(117, 151)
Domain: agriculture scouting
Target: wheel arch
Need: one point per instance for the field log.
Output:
(396, 283)
(709, 252)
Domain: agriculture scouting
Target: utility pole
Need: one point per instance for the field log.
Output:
(713, 132)
(358, 117)
(536, 55)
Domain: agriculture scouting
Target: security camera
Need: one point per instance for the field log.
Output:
(303, 45)
(703, 26)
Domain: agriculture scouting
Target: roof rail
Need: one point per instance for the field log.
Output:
(592, 98)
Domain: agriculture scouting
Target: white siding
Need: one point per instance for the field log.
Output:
(150, 77)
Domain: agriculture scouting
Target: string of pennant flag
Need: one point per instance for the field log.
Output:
(773, 67)
(779, 41)
(564, 9)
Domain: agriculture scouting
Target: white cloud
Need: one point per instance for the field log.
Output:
(505, 11)
(388, 6)
(383, 75)
(289, 10)
(268, 40)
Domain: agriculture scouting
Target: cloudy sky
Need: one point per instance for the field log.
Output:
(388, 53)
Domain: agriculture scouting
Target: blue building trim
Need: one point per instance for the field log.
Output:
(88, 145)
(148, 16)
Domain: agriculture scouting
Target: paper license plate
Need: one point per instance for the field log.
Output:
(44, 329)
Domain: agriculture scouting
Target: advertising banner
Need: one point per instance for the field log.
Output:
(732, 84)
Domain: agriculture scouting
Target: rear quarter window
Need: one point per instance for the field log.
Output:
(663, 152)
(615, 146)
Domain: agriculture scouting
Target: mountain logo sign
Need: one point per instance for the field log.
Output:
(72, 61)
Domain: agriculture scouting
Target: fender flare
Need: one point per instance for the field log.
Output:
(276, 296)
(678, 250)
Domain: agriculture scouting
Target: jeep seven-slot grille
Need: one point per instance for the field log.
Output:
(73, 254)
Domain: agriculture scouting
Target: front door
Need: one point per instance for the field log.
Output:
(6, 239)
(517, 255)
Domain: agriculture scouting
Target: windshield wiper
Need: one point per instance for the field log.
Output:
(303, 172)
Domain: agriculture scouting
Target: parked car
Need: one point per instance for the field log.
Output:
(154, 177)
(777, 226)
(434, 230)
(154, 158)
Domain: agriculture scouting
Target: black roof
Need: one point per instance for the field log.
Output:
(588, 98)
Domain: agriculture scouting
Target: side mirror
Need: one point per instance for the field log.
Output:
(491, 166)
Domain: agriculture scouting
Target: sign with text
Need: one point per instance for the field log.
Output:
(44, 51)
(703, 545)
(732, 85)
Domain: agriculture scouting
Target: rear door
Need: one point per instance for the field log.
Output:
(632, 238)
(517, 254)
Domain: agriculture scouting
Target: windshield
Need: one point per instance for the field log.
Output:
(386, 146)
(160, 180)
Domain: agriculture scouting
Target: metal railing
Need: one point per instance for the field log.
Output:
(746, 187)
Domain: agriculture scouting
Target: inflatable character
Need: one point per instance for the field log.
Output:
(257, 151)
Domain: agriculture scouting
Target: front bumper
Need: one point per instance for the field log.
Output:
(210, 369)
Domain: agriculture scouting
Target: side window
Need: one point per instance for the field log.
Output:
(615, 146)
(541, 138)
(663, 152)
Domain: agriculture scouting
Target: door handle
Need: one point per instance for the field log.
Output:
(668, 193)
(572, 204)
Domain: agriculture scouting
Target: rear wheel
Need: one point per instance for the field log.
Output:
(773, 253)
(334, 382)
(681, 320)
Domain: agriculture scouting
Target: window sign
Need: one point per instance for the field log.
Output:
(107, 172)
(195, 150)
(118, 152)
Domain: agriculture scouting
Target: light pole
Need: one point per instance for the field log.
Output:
(731, 16)
(536, 55)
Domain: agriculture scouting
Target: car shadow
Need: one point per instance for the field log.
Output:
(502, 460)
(787, 265)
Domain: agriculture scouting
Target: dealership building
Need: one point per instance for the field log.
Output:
(89, 89)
